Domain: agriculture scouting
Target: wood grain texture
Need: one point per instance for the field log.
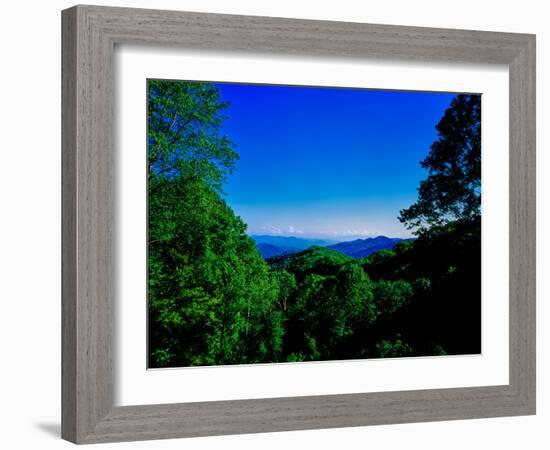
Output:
(87, 207)
(523, 224)
(89, 36)
(68, 225)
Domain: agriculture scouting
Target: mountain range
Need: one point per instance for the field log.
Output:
(361, 248)
(271, 246)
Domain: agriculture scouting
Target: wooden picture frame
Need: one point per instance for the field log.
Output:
(89, 37)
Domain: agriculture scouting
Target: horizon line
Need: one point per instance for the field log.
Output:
(329, 237)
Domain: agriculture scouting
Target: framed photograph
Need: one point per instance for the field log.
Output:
(277, 224)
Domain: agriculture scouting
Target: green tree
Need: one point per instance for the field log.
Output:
(452, 190)
(391, 295)
(305, 325)
(286, 282)
(355, 300)
(183, 134)
(328, 307)
(211, 297)
(393, 349)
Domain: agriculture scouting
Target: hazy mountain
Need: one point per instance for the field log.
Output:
(290, 242)
(361, 248)
(271, 246)
(270, 250)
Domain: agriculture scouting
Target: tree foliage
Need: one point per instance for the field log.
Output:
(452, 190)
(210, 294)
(183, 134)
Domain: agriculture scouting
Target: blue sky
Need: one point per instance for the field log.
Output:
(327, 162)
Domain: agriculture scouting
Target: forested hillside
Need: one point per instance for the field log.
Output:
(212, 299)
(273, 245)
(360, 248)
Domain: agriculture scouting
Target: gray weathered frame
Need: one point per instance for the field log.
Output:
(89, 36)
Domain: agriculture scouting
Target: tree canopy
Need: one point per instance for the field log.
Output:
(183, 134)
(210, 294)
(452, 190)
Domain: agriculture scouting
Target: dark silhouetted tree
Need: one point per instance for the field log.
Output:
(452, 190)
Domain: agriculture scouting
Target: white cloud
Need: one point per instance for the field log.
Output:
(352, 233)
(292, 230)
(271, 229)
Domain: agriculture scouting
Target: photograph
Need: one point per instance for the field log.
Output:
(293, 224)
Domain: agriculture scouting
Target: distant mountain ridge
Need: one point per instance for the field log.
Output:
(272, 246)
(269, 250)
(361, 248)
(291, 241)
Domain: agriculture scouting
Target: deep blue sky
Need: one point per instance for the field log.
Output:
(327, 162)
